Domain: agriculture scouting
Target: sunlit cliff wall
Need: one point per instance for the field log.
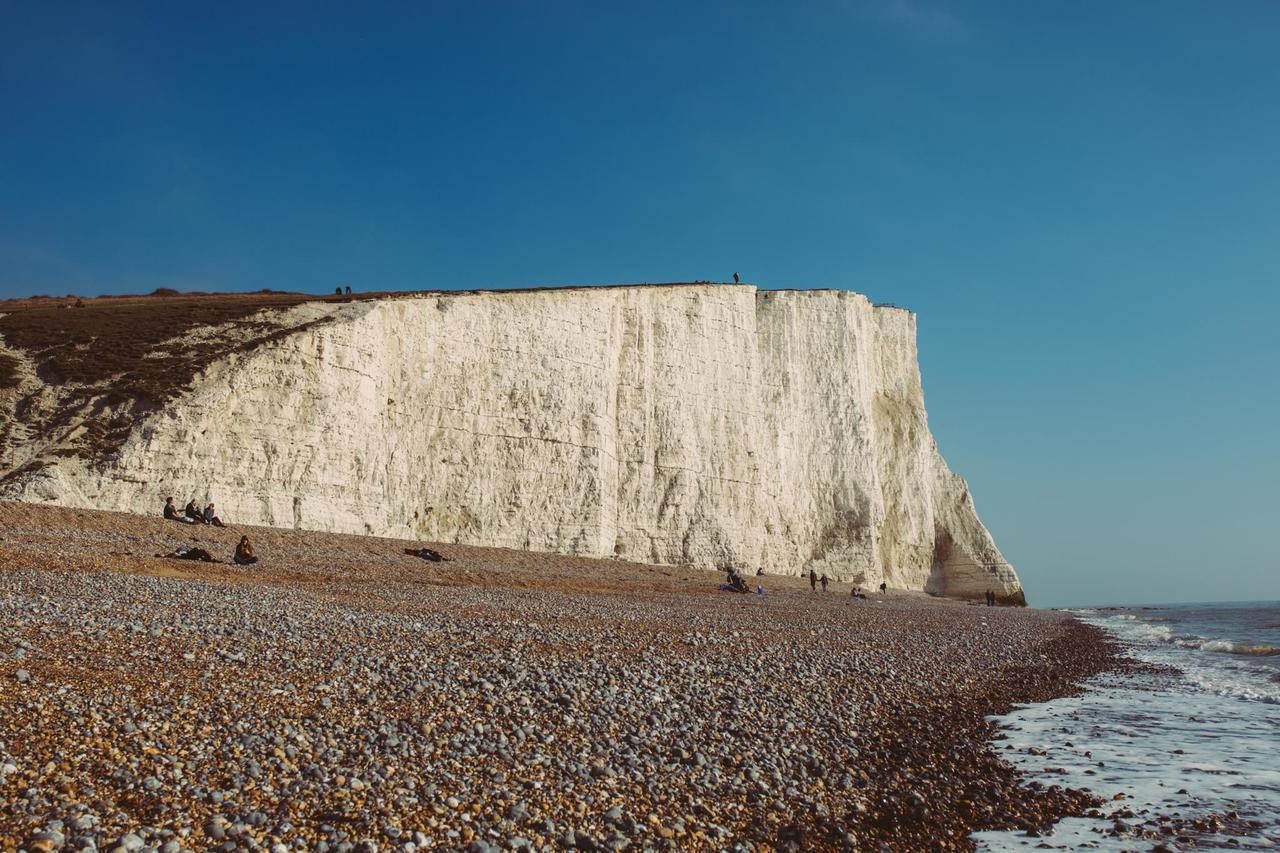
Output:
(711, 425)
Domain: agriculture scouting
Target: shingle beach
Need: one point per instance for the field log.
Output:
(342, 695)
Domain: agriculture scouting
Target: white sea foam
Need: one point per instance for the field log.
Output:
(1212, 732)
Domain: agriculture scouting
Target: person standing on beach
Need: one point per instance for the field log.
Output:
(883, 587)
(824, 583)
(813, 580)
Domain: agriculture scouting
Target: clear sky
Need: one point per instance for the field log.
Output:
(1080, 200)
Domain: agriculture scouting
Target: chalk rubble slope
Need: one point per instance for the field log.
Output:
(709, 425)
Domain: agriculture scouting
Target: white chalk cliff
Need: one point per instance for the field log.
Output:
(708, 425)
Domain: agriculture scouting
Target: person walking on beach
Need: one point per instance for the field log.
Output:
(824, 583)
(813, 580)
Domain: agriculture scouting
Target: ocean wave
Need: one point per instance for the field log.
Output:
(1226, 646)
(1140, 630)
(1135, 740)
(1137, 628)
(1214, 665)
(1255, 651)
(1256, 691)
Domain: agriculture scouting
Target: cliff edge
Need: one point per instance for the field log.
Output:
(711, 425)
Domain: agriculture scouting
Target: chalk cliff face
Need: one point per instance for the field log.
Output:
(709, 425)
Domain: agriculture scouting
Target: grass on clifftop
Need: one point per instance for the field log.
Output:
(87, 342)
(100, 352)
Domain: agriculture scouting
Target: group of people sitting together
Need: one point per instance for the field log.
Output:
(734, 582)
(191, 514)
(243, 556)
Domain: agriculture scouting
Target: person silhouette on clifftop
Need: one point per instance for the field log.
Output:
(736, 280)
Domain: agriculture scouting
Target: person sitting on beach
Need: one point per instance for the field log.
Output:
(171, 512)
(733, 582)
(193, 512)
(760, 572)
(185, 553)
(244, 553)
(428, 554)
(211, 518)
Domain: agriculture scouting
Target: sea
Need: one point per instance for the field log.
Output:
(1198, 740)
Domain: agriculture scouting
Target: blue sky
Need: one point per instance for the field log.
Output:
(1081, 201)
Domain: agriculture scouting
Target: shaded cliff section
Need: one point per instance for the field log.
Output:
(708, 425)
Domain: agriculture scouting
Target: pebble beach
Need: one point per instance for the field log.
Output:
(342, 695)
